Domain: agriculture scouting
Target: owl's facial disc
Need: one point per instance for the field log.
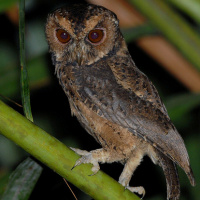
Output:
(84, 36)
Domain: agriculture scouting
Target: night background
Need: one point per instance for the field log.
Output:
(157, 51)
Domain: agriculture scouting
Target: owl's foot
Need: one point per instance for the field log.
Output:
(87, 157)
(140, 190)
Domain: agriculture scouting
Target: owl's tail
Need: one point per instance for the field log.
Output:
(171, 175)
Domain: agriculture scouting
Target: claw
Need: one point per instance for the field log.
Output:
(95, 168)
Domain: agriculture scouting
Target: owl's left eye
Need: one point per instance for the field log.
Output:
(96, 35)
(63, 36)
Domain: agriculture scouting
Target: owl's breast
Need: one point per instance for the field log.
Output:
(75, 79)
(68, 80)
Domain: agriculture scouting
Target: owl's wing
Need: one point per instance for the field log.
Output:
(141, 111)
(132, 79)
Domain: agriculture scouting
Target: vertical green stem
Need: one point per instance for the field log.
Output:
(25, 93)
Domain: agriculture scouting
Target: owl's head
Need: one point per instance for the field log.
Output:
(83, 33)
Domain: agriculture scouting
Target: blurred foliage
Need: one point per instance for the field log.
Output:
(132, 34)
(51, 110)
(180, 106)
(4, 5)
(22, 181)
(191, 8)
(173, 27)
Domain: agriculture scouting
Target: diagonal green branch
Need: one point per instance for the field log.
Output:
(58, 157)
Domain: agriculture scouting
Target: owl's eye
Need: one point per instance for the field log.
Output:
(96, 35)
(63, 36)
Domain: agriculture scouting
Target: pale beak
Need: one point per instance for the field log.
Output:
(79, 58)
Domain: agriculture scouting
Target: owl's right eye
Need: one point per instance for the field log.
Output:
(63, 36)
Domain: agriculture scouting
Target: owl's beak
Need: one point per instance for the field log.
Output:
(79, 58)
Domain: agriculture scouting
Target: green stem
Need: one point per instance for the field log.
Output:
(58, 157)
(25, 93)
(173, 27)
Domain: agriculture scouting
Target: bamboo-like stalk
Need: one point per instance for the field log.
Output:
(173, 27)
(58, 157)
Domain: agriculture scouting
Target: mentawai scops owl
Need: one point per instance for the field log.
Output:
(112, 99)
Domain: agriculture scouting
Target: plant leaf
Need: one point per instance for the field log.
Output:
(22, 181)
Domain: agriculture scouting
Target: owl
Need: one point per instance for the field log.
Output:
(111, 98)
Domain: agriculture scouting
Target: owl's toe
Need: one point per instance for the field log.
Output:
(79, 151)
(140, 190)
(87, 157)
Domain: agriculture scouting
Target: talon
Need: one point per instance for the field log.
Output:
(76, 164)
(92, 174)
